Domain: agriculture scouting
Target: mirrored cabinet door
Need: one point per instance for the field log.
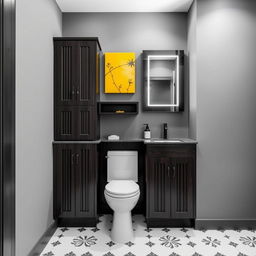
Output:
(163, 80)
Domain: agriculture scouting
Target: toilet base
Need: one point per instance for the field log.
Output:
(122, 230)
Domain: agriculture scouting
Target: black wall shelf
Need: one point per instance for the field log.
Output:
(118, 107)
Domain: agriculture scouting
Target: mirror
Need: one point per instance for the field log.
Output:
(163, 80)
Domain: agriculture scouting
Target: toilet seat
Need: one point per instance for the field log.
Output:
(122, 188)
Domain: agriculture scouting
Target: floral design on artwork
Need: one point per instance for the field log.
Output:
(210, 241)
(87, 241)
(119, 73)
(170, 241)
(250, 241)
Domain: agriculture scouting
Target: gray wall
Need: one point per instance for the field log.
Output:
(192, 70)
(226, 119)
(37, 22)
(134, 32)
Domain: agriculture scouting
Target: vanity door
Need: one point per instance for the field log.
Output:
(182, 187)
(158, 187)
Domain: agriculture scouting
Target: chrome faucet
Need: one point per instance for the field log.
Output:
(165, 131)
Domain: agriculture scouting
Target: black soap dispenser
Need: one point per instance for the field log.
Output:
(147, 133)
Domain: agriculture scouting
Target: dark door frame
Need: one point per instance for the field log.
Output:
(7, 127)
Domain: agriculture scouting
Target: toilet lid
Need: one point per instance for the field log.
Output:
(122, 187)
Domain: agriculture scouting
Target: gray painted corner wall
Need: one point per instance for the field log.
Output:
(192, 70)
(135, 32)
(36, 23)
(226, 119)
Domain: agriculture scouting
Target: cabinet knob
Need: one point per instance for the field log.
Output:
(73, 90)
(72, 159)
(173, 171)
(77, 159)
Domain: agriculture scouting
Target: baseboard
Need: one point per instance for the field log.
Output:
(77, 222)
(225, 224)
(42, 242)
(175, 223)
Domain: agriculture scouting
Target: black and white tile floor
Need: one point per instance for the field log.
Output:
(151, 242)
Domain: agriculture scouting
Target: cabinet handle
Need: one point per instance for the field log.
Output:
(77, 159)
(72, 159)
(73, 90)
(77, 92)
(173, 169)
(168, 171)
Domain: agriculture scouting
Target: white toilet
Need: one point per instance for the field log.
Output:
(122, 192)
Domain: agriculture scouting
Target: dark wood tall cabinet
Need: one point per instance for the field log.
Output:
(76, 88)
(170, 184)
(75, 183)
(76, 130)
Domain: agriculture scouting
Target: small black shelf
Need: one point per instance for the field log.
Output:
(118, 107)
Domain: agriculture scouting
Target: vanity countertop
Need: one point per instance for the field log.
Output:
(145, 141)
(171, 141)
(123, 140)
(77, 142)
(156, 141)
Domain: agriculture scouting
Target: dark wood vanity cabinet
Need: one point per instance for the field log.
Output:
(76, 88)
(170, 184)
(75, 184)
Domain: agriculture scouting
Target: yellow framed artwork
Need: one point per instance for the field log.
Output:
(119, 72)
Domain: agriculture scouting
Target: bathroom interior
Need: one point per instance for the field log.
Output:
(135, 128)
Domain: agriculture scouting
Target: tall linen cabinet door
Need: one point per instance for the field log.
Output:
(86, 73)
(65, 69)
(86, 126)
(86, 180)
(64, 181)
(65, 123)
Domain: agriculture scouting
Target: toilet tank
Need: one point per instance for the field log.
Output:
(122, 165)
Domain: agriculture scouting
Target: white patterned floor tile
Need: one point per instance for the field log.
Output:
(96, 241)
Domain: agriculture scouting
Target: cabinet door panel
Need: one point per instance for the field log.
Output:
(182, 188)
(86, 76)
(158, 184)
(64, 181)
(86, 123)
(86, 181)
(75, 123)
(65, 123)
(65, 73)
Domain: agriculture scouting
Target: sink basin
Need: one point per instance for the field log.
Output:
(168, 141)
(165, 141)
